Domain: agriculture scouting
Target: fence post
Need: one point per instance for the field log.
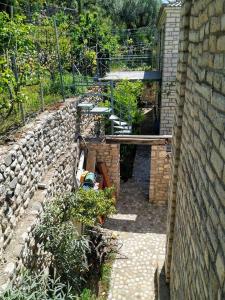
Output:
(42, 96)
(15, 71)
(112, 105)
(59, 60)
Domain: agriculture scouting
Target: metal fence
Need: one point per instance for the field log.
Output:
(36, 70)
(43, 70)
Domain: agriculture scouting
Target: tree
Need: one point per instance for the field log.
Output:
(17, 60)
(132, 13)
(92, 37)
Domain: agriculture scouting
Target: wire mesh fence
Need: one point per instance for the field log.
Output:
(36, 66)
(45, 58)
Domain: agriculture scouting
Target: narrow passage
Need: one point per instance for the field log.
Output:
(141, 229)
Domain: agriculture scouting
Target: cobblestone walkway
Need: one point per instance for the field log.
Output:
(141, 230)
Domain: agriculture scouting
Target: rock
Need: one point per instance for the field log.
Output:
(8, 160)
(23, 165)
(42, 186)
(13, 165)
(1, 178)
(10, 268)
(17, 190)
(13, 183)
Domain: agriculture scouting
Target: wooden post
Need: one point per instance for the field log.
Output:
(91, 161)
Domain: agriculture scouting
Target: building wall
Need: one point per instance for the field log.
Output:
(168, 26)
(160, 175)
(195, 262)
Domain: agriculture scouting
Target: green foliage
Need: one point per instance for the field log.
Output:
(16, 61)
(84, 206)
(87, 295)
(89, 205)
(73, 253)
(126, 96)
(38, 287)
(69, 249)
(91, 37)
(132, 13)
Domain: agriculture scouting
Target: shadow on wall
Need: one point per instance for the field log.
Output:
(162, 291)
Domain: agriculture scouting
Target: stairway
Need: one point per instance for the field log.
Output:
(90, 108)
(124, 127)
(120, 127)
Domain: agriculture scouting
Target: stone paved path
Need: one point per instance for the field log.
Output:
(141, 229)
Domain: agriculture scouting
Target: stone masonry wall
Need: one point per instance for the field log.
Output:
(109, 154)
(195, 262)
(23, 164)
(168, 25)
(23, 250)
(159, 175)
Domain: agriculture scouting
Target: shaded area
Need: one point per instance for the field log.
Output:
(141, 229)
(135, 213)
(127, 155)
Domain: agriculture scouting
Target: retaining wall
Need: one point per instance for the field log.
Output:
(43, 156)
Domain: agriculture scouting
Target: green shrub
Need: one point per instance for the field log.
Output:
(126, 96)
(75, 255)
(38, 287)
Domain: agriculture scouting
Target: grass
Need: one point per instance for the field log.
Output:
(106, 272)
(103, 284)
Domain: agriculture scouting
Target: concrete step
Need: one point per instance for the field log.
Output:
(113, 118)
(123, 132)
(120, 123)
(123, 127)
(85, 106)
(100, 110)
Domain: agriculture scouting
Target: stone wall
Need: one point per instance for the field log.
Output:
(159, 175)
(168, 26)
(23, 250)
(43, 156)
(195, 262)
(109, 154)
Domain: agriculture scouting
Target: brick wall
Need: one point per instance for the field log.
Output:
(168, 25)
(195, 263)
(109, 154)
(159, 175)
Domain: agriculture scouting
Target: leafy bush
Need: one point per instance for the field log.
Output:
(69, 249)
(75, 255)
(84, 206)
(38, 287)
(126, 96)
(89, 205)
